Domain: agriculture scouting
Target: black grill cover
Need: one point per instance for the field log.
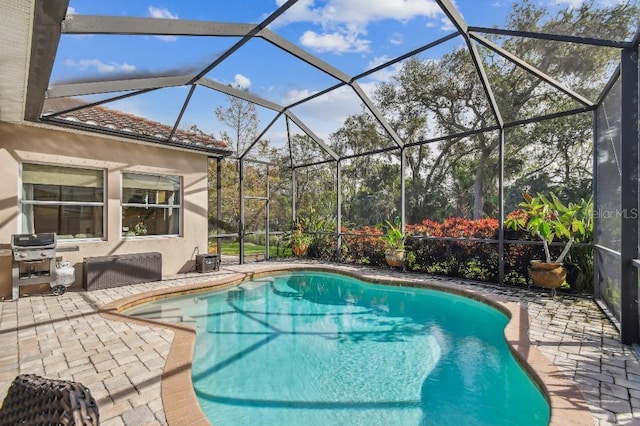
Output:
(45, 239)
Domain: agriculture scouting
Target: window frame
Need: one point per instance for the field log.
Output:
(24, 202)
(179, 206)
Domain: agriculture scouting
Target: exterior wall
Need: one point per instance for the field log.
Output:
(15, 33)
(44, 144)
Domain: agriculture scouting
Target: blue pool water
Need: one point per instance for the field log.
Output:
(311, 348)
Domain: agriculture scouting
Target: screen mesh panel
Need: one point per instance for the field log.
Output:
(607, 209)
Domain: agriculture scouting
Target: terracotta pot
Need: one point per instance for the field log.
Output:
(299, 249)
(547, 275)
(395, 257)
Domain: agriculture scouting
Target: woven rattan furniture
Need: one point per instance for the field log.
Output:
(35, 400)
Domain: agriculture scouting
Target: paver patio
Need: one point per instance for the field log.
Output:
(122, 363)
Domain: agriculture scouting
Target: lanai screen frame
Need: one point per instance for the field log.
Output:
(50, 23)
(626, 208)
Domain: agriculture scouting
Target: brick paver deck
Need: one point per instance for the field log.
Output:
(123, 363)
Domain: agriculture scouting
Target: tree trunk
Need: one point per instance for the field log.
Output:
(478, 190)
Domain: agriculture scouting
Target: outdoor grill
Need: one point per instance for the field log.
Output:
(34, 260)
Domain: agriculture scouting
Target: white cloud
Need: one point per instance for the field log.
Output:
(162, 13)
(447, 25)
(344, 22)
(351, 12)
(241, 82)
(98, 65)
(396, 38)
(295, 95)
(325, 114)
(572, 4)
(384, 74)
(334, 42)
(71, 10)
(569, 3)
(379, 60)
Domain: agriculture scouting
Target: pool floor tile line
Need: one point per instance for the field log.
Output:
(139, 371)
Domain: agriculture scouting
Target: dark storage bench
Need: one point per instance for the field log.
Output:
(122, 269)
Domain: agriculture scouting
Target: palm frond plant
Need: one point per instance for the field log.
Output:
(394, 244)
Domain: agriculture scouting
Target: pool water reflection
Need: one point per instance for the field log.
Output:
(315, 348)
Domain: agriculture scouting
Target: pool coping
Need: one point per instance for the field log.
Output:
(181, 407)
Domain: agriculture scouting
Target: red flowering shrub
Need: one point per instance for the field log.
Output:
(451, 256)
(456, 227)
(363, 246)
(467, 228)
(427, 227)
(466, 259)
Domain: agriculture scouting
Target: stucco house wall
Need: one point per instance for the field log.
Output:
(39, 143)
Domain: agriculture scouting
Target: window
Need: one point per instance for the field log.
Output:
(65, 200)
(150, 205)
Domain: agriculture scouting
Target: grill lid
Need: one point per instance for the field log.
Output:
(41, 240)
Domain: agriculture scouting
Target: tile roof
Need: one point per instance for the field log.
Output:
(125, 124)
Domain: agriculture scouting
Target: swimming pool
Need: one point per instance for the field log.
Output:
(317, 348)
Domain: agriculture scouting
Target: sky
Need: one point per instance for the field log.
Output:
(343, 33)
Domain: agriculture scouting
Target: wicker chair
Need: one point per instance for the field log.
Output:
(35, 400)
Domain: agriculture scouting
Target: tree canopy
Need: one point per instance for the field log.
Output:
(440, 109)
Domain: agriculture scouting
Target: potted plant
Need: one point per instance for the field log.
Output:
(140, 228)
(547, 219)
(299, 241)
(394, 252)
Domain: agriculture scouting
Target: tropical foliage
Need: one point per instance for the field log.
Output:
(452, 168)
(548, 218)
(394, 237)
